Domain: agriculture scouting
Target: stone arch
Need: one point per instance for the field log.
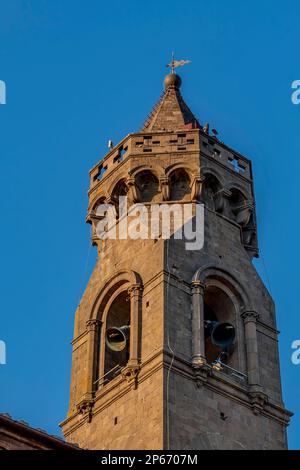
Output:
(100, 197)
(114, 305)
(147, 185)
(125, 278)
(213, 271)
(180, 184)
(155, 169)
(211, 191)
(224, 299)
(240, 188)
(176, 166)
(207, 171)
(121, 176)
(120, 189)
(241, 207)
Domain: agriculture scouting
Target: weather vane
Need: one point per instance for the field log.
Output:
(177, 63)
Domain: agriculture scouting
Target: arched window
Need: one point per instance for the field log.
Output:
(147, 184)
(211, 187)
(219, 310)
(179, 185)
(116, 336)
(119, 190)
(236, 201)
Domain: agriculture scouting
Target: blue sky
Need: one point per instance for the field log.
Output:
(79, 73)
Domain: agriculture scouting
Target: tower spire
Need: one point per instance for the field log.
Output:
(171, 113)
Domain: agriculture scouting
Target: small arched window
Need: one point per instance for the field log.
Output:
(119, 190)
(211, 187)
(179, 185)
(236, 201)
(147, 184)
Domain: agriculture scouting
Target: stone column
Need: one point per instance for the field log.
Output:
(196, 187)
(135, 292)
(164, 187)
(250, 318)
(93, 328)
(198, 340)
(133, 191)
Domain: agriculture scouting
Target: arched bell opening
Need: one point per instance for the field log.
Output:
(117, 331)
(219, 327)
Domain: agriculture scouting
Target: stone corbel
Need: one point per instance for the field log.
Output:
(85, 408)
(196, 187)
(93, 324)
(221, 201)
(133, 190)
(164, 187)
(258, 401)
(130, 373)
(93, 219)
(201, 373)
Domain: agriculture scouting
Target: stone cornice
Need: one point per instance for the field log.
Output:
(217, 382)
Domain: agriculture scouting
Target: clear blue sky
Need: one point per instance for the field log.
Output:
(79, 73)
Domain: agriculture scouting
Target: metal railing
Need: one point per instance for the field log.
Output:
(108, 376)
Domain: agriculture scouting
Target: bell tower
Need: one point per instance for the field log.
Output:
(176, 348)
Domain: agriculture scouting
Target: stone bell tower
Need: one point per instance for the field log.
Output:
(170, 383)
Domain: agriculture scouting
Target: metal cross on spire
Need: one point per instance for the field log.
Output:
(177, 63)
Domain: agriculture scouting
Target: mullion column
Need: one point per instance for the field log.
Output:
(198, 338)
(93, 327)
(135, 293)
(250, 318)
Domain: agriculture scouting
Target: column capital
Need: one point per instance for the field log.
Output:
(164, 179)
(135, 290)
(198, 287)
(250, 315)
(93, 324)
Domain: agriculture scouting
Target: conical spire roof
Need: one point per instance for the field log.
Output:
(171, 113)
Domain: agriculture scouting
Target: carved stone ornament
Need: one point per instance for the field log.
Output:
(250, 315)
(258, 401)
(85, 407)
(201, 372)
(130, 373)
